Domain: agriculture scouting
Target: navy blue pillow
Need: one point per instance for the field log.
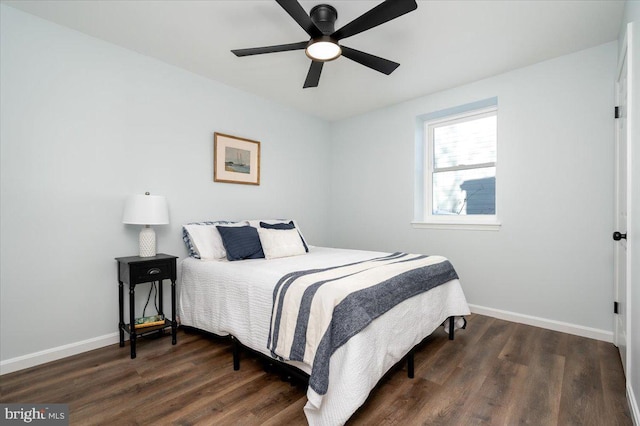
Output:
(282, 225)
(289, 225)
(241, 242)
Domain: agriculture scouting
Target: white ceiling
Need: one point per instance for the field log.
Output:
(442, 44)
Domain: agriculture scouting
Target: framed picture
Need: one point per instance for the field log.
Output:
(236, 160)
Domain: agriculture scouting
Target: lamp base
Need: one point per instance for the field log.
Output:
(147, 241)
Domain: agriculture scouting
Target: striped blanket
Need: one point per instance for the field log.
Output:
(317, 311)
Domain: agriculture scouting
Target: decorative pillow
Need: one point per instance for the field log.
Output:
(241, 242)
(203, 239)
(282, 226)
(280, 242)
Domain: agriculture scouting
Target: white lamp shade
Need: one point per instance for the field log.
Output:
(146, 210)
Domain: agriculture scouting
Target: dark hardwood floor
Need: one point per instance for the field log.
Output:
(494, 373)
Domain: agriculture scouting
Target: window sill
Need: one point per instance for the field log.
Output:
(460, 224)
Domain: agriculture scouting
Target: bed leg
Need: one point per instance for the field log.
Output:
(236, 353)
(410, 372)
(452, 321)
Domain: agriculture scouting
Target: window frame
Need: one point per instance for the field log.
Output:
(472, 222)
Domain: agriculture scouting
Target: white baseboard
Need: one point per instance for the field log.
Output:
(53, 354)
(633, 405)
(578, 330)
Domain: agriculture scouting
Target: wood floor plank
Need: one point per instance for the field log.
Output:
(444, 355)
(613, 380)
(495, 372)
(402, 409)
(203, 396)
(539, 395)
(494, 401)
(582, 399)
(518, 346)
(445, 405)
(290, 415)
(386, 401)
(482, 356)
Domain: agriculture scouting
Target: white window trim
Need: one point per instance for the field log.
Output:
(466, 222)
(490, 224)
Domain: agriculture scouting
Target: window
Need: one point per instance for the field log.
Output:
(459, 167)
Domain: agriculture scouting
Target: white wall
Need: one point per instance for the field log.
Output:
(86, 123)
(631, 13)
(552, 258)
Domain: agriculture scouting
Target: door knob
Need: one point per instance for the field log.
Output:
(618, 236)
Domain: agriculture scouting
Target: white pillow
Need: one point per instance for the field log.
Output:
(206, 239)
(280, 243)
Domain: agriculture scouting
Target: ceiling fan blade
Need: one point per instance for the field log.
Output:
(270, 49)
(313, 76)
(293, 8)
(380, 14)
(377, 63)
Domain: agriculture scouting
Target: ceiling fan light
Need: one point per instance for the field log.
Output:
(323, 49)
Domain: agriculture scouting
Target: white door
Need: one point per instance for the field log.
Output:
(620, 254)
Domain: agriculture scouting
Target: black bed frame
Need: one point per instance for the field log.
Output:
(292, 372)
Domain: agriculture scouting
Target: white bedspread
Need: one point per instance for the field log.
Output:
(236, 298)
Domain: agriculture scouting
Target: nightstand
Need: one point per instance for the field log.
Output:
(134, 270)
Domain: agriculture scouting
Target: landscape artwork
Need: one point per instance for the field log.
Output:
(236, 160)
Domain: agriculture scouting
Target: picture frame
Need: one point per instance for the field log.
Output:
(236, 160)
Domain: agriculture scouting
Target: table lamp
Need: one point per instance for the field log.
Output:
(146, 210)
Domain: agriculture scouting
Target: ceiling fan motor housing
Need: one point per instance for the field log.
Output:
(324, 16)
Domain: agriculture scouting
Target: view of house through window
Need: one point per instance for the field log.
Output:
(461, 175)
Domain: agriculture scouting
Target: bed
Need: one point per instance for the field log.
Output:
(239, 298)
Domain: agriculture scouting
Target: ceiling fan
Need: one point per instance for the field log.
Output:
(323, 45)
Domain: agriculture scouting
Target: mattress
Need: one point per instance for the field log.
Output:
(235, 298)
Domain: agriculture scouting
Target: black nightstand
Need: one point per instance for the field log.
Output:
(135, 270)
